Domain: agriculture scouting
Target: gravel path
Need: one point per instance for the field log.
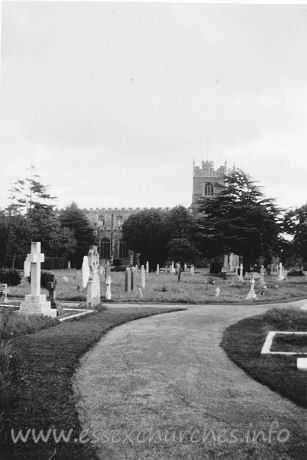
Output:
(162, 388)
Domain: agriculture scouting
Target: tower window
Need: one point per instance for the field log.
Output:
(208, 189)
(119, 221)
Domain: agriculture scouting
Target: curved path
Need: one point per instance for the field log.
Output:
(162, 388)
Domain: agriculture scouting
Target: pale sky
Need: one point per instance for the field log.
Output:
(112, 101)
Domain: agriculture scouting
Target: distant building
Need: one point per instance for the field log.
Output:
(108, 222)
(205, 181)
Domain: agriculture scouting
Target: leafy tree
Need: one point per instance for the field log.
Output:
(239, 219)
(28, 194)
(182, 250)
(147, 233)
(296, 226)
(180, 223)
(76, 221)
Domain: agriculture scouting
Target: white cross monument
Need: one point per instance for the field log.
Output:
(36, 303)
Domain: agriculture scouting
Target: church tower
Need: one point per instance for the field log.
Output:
(205, 181)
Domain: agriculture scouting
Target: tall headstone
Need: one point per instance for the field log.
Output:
(143, 282)
(36, 303)
(280, 272)
(128, 280)
(3, 292)
(192, 269)
(93, 285)
(158, 269)
(85, 271)
(241, 273)
(172, 268)
(147, 267)
(108, 281)
(133, 278)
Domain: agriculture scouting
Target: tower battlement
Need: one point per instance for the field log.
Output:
(206, 180)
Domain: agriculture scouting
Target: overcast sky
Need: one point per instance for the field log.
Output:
(113, 101)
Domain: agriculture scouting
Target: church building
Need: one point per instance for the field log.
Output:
(108, 222)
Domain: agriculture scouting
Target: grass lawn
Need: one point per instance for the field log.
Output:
(243, 342)
(165, 288)
(43, 388)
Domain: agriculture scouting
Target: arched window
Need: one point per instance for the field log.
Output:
(119, 221)
(101, 222)
(208, 189)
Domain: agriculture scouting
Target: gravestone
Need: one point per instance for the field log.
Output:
(143, 282)
(93, 285)
(241, 273)
(3, 292)
(217, 292)
(36, 303)
(280, 272)
(172, 270)
(192, 269)
(108, 281)
(85, 272)
(128, 280)
(252, 294)
(158, 269)
(147, 267)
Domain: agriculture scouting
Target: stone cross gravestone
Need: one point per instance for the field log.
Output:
(252, 294)
(93, 285)
(36, 303)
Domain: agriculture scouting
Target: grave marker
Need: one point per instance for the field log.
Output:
(93, 285)
(143, 282)
(36, 303)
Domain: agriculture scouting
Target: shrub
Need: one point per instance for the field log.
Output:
(117, 262)
(10, 276)
(216, 265)
(296, 273)
(46, 277)
(54, 263)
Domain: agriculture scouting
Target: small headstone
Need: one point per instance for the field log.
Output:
(158, 269)
(185, 267)
(172, 270)
(27, 267)
(140, 293)
(147, 267)
(65, 279)
(217, 292)
(68, 264)
(192, 269)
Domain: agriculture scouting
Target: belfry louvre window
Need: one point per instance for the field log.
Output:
(208, 189)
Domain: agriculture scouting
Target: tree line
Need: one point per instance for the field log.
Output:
(237, 219)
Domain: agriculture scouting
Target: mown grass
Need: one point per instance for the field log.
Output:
(165, 288)
(243, 342)
(43, 387)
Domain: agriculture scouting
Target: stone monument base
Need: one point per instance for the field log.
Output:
(37, 305)
(93, 293)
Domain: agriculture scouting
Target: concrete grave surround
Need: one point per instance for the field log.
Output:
(266, 349)
(36, 303)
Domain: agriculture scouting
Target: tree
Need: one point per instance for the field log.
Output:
(76, 221)
(180, 223)
(28, 194)
(239, 219)
(147, 233)
(182, 250)
(296, 225)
